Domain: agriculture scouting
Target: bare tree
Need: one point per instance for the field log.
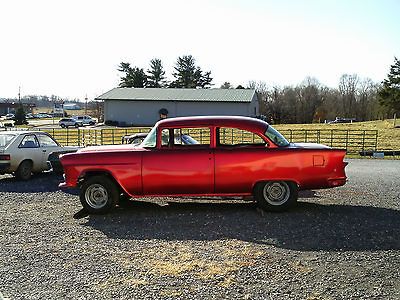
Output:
(348, 90)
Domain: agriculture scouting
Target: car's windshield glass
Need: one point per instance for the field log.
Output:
(5, 139)
(277, 138)
(150, 140)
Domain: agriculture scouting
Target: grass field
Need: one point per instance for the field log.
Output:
(388, 136)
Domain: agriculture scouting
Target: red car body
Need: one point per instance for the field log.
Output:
(211, 169)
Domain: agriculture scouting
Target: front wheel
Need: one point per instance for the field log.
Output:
(98, 194)
(276, 195)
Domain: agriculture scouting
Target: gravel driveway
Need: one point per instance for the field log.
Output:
(341, 243)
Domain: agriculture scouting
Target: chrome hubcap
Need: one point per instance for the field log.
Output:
(276, 193)
(96, 196)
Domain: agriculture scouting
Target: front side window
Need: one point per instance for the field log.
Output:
(29, 141)
(277, 138)
(176, 137)
(192, 136)
(235, 136)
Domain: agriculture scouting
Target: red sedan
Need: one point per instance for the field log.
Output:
(204, 156)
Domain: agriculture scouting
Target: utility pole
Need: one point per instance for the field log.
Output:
(86, 104)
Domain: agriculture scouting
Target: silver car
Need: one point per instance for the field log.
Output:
(67, 122)
(25, 152)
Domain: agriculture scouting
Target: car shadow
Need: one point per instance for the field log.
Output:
(42, 182)
(308, 227)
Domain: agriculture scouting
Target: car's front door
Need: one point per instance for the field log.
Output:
(29, 150)
(179, 169)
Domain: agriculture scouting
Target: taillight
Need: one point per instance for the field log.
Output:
(5, 157)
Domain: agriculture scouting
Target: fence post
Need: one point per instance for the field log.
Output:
(363, 142)
(331, 137)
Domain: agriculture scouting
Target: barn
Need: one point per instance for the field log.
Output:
(145, 106)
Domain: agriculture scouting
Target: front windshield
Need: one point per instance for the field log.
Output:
(151, 139)
(6, 139)
(277, 138)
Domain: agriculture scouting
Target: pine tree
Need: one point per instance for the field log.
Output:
(156, 74)
(389, 93)
(134, 76)
(20, 118)
(188, 75)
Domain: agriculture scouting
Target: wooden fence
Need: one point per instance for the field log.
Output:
(354, 141)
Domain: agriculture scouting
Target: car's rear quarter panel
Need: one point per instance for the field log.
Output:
(124, 167)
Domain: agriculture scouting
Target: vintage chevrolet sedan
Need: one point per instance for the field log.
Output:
(228, 156)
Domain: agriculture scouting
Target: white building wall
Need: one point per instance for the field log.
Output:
(145, 113)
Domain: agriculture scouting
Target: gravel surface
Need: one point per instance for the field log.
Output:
(341, 243)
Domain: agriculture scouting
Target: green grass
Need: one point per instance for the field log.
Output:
(388, 136)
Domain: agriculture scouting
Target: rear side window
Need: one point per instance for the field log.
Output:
(234, 136)
(46, 141)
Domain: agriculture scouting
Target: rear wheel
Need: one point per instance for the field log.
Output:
(24, 170)
(276, 195)
(99, 194)
(76, 125)
(62, 125)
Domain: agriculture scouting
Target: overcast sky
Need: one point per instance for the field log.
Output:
(72, 48)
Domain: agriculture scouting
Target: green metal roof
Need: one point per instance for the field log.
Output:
(165, 94)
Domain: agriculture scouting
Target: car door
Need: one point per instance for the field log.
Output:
(179, 169)
(240, 158)
(28, 149)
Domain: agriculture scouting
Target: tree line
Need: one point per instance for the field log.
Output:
(186, 75)
(310, 101)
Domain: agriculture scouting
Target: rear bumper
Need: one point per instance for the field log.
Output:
(334, 182)
(4, 167)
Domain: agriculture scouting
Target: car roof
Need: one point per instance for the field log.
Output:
(251, 124)
(18, 132)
